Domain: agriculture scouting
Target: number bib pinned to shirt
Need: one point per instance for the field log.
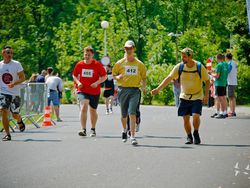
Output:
(87, 73)
(131, 70)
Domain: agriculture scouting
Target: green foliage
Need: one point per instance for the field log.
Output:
(53, 33)
(155, 75)
(243, 87)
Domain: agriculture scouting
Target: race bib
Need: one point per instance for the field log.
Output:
(87, 73)
(131, 70)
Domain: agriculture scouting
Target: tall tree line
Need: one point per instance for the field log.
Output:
(53, 32)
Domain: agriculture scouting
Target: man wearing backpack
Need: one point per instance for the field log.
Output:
(191, 75)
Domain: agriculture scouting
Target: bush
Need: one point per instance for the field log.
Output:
(155, 75)
(69, 85)
(243, 87)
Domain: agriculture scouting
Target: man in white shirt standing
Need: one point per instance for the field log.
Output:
(54, 85)
(11, 75)
(232, 83)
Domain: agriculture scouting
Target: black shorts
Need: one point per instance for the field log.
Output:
(188, 107)
(220, 91)
(12, 103)
(108, 93)
(93, 99)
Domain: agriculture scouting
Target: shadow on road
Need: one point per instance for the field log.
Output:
(39, 140)
(164, 137)
(165, 147)
(226, 145)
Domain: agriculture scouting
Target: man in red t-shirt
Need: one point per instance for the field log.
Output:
(88, 74)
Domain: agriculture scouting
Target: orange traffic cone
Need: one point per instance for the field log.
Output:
(47, 119)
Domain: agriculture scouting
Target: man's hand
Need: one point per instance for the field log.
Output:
(118, 77)
(80, 85)
(11, 85)
(154, 91)
(94, 85)
(205, 100)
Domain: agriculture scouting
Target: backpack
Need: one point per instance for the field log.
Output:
(198, 70)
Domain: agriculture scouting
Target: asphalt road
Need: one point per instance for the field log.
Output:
(57, 157)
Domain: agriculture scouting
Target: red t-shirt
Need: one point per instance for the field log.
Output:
(87, 74)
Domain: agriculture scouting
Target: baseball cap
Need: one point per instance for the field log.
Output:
(7, 47)
(129, 44)
(187, 51)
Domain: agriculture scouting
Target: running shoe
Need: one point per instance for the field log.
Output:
(213, 116)
(110, 111)
(232, 114)
(133, 141)
(92, 133)
(189, 139)
(220, 116)
(107, 112)
(197, 139)
(6, 138)
(21, 126)
(124, 137)
(82, 132)
(59, 120)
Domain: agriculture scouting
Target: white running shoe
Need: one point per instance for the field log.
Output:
(133, 141)
(107, 112)
(92, 133)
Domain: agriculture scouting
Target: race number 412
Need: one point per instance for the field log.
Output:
(131, 70)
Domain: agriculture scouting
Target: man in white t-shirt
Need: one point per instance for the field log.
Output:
(232, 83)
(54, 85)
(11, 75)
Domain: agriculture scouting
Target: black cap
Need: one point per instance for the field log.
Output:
(6, 47)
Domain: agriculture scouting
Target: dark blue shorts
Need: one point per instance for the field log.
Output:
(188, 107)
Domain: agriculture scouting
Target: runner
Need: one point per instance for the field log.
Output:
(109, 91)
(130, 74)
(88, 74)
(191, 92)
(12, 74)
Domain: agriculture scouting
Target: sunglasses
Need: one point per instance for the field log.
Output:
(8, 52)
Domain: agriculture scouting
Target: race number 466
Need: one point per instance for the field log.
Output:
(131, 70)
(87, 73)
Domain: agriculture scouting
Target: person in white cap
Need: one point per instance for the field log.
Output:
(130, 74)
(191, 92)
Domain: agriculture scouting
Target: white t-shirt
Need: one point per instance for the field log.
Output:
(9, 73)
(232, 73)
(54, 83)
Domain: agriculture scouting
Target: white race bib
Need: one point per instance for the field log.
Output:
(87, 73)
(131, 70)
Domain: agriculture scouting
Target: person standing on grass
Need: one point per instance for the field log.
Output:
(11, 76)
(88, 74)
(191, 96)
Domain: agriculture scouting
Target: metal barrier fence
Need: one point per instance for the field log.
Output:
(33, 100)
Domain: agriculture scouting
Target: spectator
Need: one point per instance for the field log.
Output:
(232, 83)
(54, 84)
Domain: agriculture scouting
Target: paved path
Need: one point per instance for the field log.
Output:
(57, 157)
